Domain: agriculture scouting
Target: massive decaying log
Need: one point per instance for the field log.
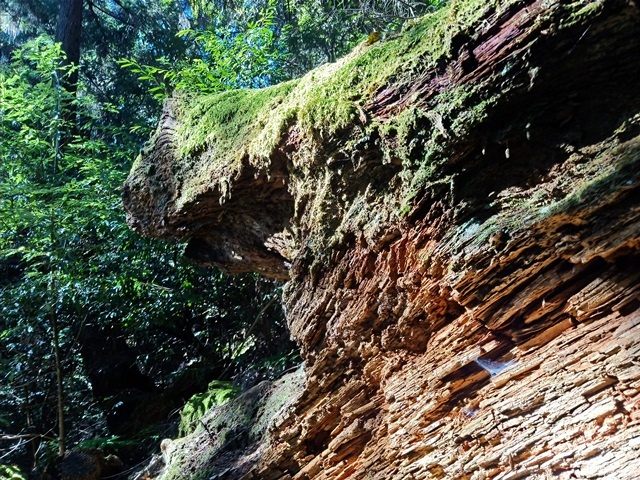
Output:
(457, 213)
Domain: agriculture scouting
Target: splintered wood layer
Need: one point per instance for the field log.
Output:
(523, 362)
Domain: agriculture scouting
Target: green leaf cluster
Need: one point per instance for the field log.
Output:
(11, 472)
(221, 57)
(218, 393)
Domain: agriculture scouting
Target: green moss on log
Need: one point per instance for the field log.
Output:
(323, 102)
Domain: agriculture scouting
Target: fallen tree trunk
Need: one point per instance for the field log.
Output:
(457, 213)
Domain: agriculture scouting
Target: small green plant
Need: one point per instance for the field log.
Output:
(219, 392)
(11, 472)
(405, 210)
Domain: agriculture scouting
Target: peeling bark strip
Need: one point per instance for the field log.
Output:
(463, 234)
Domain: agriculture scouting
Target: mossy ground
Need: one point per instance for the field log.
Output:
(325, 100)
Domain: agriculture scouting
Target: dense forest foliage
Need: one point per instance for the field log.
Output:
(105, 335)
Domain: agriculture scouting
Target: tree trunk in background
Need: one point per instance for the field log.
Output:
(68, 33)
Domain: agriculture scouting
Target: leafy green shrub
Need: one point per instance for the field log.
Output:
(219, 392)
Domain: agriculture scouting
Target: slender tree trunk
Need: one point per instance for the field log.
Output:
(59, 379)
(68, 33)
(55, 327)
(34, 442)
